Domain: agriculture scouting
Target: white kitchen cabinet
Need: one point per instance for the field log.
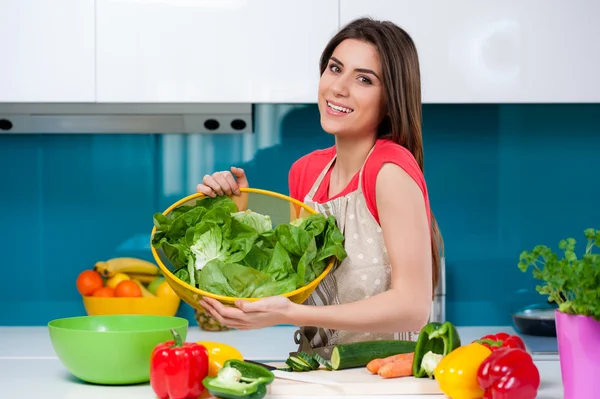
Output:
(47, 49)
(507, 51)
(259, 51)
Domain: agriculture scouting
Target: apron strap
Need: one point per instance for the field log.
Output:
(315, 187)
(360, 173)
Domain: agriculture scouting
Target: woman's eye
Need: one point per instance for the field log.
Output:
(365, 80)
(334, 68)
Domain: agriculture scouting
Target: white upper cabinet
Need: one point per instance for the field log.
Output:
(258, 51)
(267, 51)
(498, 50)
(47, 49)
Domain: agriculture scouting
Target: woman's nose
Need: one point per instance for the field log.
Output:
(340, 87)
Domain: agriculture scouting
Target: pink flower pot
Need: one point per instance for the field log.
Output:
(579, 352)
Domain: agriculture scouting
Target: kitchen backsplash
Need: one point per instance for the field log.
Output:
(502, 178)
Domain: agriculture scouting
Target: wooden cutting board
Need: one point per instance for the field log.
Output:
(357, 381)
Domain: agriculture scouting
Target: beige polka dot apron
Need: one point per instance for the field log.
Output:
(365, 272)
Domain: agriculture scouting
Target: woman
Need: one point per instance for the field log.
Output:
(372, 181)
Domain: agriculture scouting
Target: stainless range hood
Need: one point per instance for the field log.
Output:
(31, 118)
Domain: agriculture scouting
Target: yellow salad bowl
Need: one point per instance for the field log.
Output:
(279, 207)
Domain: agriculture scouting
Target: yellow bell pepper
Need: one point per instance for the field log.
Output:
(218, 354)
(457, 371)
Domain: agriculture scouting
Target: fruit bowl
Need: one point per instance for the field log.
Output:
(95, 306)
(126, 286)
(279, 208)
(112, 349)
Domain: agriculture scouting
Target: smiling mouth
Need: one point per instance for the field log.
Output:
(339, 108)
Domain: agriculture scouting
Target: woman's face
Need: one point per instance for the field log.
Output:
(351, 96)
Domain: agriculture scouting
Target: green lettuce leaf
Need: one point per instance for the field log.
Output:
(257, 221)
(233, 279)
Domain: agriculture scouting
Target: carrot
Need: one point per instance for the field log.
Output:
(401, 366)
(374, 365)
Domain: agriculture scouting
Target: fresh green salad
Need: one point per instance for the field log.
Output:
(218, 248)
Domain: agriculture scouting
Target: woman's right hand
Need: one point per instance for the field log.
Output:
(223, 183)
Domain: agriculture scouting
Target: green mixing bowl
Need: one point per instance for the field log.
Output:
(112, 349)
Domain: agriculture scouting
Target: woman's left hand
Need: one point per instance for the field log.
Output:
(248, 315)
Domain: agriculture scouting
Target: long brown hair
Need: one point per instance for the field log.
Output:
(402, 85)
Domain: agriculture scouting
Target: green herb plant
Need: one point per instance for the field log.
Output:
(572, 283)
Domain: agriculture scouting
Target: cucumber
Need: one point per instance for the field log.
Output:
(359, 354)
(304, 361)
(313, 363)
(322, 361)
(297, 364)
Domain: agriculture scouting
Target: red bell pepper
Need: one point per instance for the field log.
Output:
(177, 369)
(509, 373)
(501, 340)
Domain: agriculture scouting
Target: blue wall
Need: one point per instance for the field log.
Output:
(502, 178)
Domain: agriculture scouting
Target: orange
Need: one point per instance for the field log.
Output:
(89, 281)
(104, 292)
(128, 288)
(218, 353)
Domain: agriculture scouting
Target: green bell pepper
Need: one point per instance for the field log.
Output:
(239, 380)
(435, 341)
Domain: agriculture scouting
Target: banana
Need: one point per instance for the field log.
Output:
(125, 265)
(143, 278)
(145, 292)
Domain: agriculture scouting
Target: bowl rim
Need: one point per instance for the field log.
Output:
(165, 270)
(185, 323)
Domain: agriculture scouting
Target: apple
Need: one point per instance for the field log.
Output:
(153, 286)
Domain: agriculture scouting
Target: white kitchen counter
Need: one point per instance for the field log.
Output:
(30, 368)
